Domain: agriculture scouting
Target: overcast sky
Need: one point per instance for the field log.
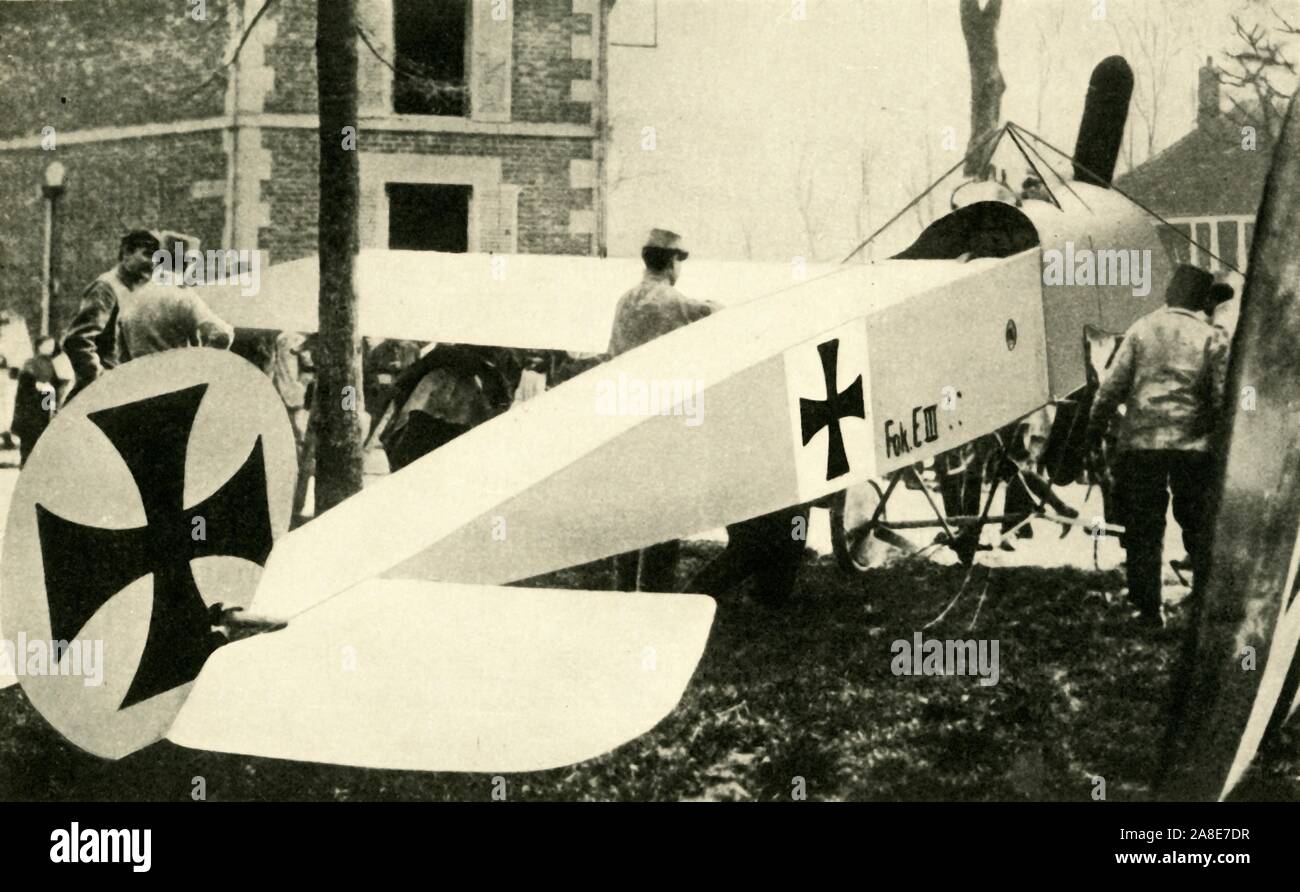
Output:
(740, 92)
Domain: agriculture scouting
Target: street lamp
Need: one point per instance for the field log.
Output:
(51, 189)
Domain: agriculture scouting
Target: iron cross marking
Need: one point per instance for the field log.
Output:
(86, 566)
(817, 414)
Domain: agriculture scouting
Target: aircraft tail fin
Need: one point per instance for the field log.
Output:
(405, 674)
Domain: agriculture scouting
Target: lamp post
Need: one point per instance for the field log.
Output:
(51, 189)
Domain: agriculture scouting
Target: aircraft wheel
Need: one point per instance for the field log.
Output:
(852, 534)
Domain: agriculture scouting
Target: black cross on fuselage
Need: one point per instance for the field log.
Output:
(817, 414)
(86, 566)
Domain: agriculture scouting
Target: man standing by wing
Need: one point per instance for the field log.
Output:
(655, 307)
(651, 309)
(1169, 376)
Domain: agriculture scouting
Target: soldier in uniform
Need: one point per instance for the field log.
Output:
(1169, 375)
(653, 308)
(91, 341)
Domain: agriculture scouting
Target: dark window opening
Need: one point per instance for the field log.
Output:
(1202, 237)
(428, 217)
(1228, 244)
(429, 38)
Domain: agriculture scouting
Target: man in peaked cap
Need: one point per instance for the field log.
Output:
(1169, 374)
(653, 308)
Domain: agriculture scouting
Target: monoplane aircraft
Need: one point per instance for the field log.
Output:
(398, 641)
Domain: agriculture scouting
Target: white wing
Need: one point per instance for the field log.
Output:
(540, 301)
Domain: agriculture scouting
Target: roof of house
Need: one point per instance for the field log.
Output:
(1209, 172)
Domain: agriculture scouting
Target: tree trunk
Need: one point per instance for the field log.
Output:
(338, 363)
(980, 29)
(1223, 710)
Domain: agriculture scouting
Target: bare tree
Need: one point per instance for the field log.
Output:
(1049, 24)
(862, 216)
(924, 215)
(979, 27)
(336, 416)
(805, 182)
(1150, 41)
(1256, 67)
(627, 165)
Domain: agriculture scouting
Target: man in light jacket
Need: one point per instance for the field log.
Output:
(1169, 376)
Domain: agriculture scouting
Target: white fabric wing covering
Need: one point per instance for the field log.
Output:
(538, 301)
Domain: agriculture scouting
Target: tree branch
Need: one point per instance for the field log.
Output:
(220, 72)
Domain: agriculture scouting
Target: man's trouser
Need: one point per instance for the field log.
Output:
(1018, 501)
(652, 569)
(961, 492)
(1145, 478)
(765, 548)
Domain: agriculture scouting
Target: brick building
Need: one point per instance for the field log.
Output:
(487, 140)
(1209, 183)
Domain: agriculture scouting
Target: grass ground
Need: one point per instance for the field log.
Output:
(802, 692)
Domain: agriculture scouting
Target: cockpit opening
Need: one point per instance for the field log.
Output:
(981, 229)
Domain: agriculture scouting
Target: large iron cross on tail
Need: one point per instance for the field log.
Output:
(817, 414)
(86, 566)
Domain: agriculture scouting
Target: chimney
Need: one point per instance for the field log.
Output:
(1207, 94)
